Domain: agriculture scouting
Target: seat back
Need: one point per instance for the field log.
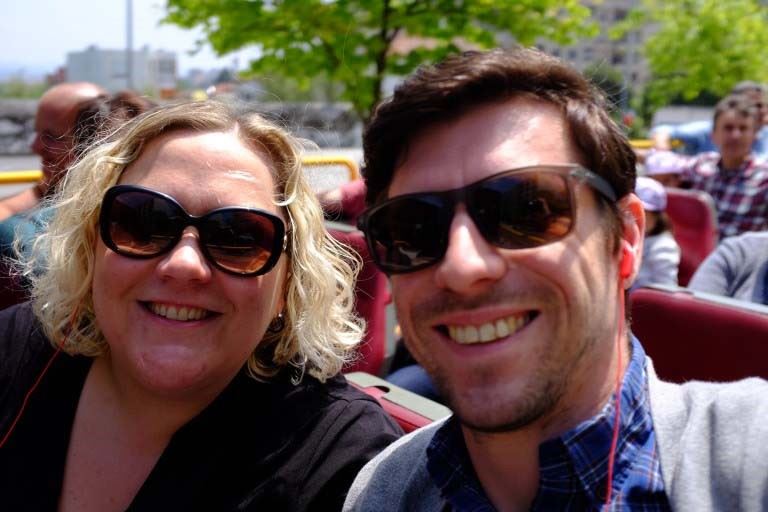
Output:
(371, 299)
(694, 226)
(411, 411)
(699, 336)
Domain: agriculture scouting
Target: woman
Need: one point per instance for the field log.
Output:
(202, 315)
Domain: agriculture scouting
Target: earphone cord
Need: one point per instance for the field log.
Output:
(39, 379)
(617, 404)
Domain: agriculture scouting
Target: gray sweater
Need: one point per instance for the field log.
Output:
(712, 439)
(737, 268)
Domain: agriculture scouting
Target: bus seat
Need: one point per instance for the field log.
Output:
(371, 299)
(700, 336)
(694, 226)
(411, 411)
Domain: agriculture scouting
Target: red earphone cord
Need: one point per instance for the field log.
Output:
(39, 379)
(617, 403)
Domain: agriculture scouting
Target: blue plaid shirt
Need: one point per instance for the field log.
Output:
(574, 466)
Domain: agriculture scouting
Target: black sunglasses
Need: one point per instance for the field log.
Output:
(515, 209)
(138, 222)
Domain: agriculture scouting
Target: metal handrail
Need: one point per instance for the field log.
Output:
(33, 176)
(354, 172)
(13, 177)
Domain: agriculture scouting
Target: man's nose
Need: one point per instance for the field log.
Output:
(470, 262)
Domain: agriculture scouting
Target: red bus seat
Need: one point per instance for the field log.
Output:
(371, 299)
(694, 226)
(411, 411)
(699, 336)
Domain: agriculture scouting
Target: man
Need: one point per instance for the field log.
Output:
(738, 268)
(696, 136)
(502, 208)
(55, 135)
(69, 118)
(736, 179)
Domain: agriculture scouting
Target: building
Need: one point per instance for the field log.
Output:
(625, 54)
(152, 72)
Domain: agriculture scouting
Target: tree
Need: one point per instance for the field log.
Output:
(611, 82)
(701, 46)
(351, 41)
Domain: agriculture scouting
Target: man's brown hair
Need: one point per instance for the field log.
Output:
(445, 91)
(740, 104)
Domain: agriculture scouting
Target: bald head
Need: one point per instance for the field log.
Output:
(69, 95)
(55, 121)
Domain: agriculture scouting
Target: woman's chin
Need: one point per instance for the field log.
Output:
(173, 372)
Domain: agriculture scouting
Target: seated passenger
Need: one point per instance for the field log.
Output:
(346, 201)
(661, 254)
(664, 167)
(696, 136)
(183, 346)
(738, 268)
(735, 177)
(78, 113)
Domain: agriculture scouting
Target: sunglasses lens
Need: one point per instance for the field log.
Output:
(522, 210)
(241, 241)
(142, 224)
(518, 210)
(410, 233)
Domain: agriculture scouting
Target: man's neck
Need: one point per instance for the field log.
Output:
(732, 163)
(507, 465)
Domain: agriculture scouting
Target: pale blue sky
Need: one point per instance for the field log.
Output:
(35, 35)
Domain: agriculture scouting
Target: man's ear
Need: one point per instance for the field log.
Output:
(632, 217)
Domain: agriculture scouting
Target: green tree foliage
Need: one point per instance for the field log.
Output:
(610, 81)
(18, 88)
(701, 46)
(350, 41)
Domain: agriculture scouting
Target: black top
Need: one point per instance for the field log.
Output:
(258, 446)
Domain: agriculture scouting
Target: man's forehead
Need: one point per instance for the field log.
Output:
(486, 139)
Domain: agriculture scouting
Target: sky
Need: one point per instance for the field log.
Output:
(37, 34)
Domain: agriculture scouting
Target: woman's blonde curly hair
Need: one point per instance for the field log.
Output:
(321, 330)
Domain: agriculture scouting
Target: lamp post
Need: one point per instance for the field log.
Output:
(129, 43)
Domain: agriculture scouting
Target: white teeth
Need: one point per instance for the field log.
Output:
(502, 329)
(490, 331)
(181, 314)
(487, 332)
(470, 334)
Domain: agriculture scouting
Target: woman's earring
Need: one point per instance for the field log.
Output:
(277, 324)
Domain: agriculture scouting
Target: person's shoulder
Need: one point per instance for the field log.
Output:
(719, 413)
(750, 243)
(22, 345)
(719, 401)
(397, 478)
(711, 437)
(16, 322)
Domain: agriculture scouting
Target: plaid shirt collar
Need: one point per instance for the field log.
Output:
(711, 163)
(574, 466)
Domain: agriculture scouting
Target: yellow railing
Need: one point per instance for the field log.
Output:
(33, 176)
(321, 160)
(13, 177)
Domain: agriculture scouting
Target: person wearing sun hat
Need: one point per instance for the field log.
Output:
(664, 167)
(661, 254)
